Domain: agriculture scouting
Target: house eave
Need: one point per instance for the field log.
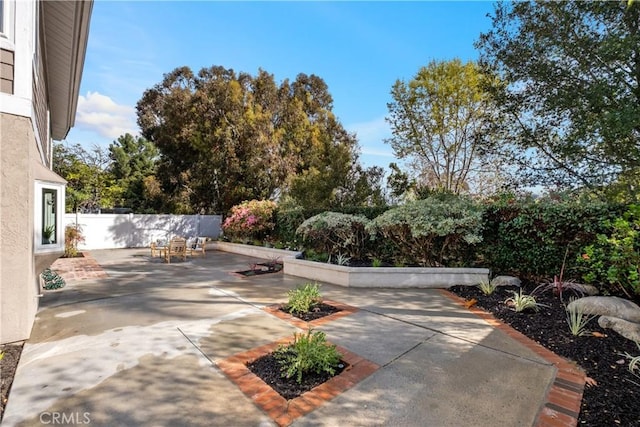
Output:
(65, 33)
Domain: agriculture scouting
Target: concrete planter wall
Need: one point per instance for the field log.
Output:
(362, 277)
(385, 277)
(253, 251)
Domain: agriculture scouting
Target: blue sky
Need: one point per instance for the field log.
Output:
(359, 48)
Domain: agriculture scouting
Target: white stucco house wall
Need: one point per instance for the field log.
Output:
(42, 51)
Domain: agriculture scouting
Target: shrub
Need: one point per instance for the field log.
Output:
(288, 217)
(303, 298)
(333, 233)
(432, 231)
(309, 352)
(250, 220)
(529, 238)
(614, 258)
(72, 238)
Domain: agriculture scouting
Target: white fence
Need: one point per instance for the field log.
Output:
(109, 231)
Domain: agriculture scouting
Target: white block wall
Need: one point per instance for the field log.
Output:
(110, 231)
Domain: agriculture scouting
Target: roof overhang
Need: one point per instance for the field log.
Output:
(65, 34)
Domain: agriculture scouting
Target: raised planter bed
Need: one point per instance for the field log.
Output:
(361, 277)
(385, 277)
(252, 251)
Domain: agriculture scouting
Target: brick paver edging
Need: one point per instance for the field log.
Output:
(345, 310)
(564, 397)
(283, 412)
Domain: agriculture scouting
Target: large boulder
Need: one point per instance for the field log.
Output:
(505, 281)
(629, 330)
(607, 306)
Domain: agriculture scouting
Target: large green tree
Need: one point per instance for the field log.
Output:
(572, 92)
(90, 184)
(226, 137)
(133, 159)
(441, 123)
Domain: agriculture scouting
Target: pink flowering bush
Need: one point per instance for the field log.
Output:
(250, 220)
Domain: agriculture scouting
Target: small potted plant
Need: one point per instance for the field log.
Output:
(47, 234)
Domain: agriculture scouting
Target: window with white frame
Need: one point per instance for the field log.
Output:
(7, 18)
(49, 216)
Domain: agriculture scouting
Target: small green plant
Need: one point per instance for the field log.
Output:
(577, 319)
(376, 262)
(48, 233)
(52, 280)
(487, 288)
(634, 365)
(303, 298)
(316, 256)
(521, 302)
(307, 353)
(342, 259)
(274, 264)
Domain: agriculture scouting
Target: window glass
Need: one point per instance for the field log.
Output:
(49, 222)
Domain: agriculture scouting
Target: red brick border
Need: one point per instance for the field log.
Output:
(564, 397)
(345, 310)
(283, 412)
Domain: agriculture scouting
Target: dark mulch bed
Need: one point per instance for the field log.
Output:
(321, 310)
(8, 364)
(613, 400)
(262, 268)
(268, 369)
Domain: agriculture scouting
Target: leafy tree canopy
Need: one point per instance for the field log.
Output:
(90, 185)
(133, 159)
(572, 92)
(441, 121)
(226, 137)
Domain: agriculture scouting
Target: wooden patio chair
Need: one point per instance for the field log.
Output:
(177, 247)
(197, 246)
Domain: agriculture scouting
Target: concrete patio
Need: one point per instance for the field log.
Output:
(142, 347)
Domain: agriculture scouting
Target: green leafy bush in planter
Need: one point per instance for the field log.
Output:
(308, 353)
(303, 298)
(614, 258)
(431, 232)
(333, 233)
(250, 220)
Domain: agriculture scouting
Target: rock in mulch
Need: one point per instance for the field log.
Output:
(505, 281)
(607, 306)
(585, 289)
(629, 330)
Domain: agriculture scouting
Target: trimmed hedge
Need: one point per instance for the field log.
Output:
(529, 238)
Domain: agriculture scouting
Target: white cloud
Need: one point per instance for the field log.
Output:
(372, 131)
(371, 135)
(100, 114)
